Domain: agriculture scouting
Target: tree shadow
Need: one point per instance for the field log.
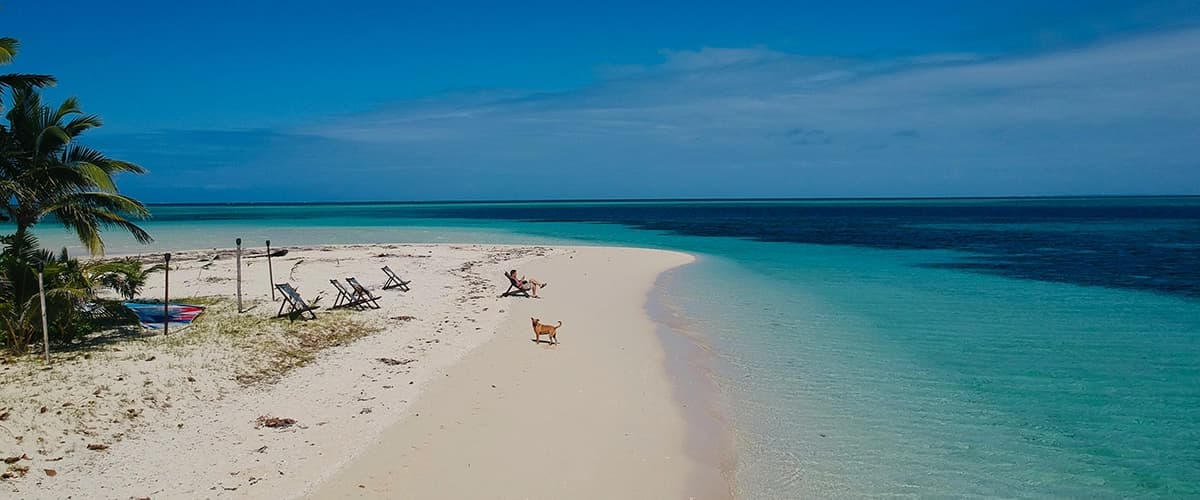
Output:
(110, 323)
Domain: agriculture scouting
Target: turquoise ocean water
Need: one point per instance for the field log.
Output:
(954, 348)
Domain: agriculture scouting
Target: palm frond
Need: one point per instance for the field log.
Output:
(26, 80)
(69, 106)
(79, 124)
(67, 292)
(21, 247)
(79, 153)
(50, 138)
(97, 176)
(115, 166)
(118, 221)
(86, 228)
(86, 213)
(124, 276)
(112, 202)
(8, 49)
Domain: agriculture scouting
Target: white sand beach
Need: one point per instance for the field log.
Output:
(440, 393)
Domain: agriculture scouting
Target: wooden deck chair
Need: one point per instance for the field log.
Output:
(344, 297)
(363, 295)
(393, 280)
(294, 303)
(514, 288)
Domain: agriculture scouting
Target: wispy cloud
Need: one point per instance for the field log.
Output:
(1122, 117)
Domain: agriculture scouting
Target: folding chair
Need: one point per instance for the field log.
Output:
(514, 288)
(294, 303)
(344, 297)
(362, 295)
(394, 281)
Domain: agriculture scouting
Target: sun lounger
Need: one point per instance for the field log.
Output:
(362, 295)
(514, 288)
(393, 280)
(345, 298)
(293, 303)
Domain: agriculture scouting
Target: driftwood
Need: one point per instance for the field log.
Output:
(274, 253)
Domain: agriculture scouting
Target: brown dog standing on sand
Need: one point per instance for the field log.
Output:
(540, 329)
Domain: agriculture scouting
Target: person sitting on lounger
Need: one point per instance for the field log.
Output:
(526, 284)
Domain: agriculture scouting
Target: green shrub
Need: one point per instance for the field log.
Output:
(72, 306)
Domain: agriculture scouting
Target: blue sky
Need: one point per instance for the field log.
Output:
(307, 101)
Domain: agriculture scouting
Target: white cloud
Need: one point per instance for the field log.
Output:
(714, 57)
(1122, 117)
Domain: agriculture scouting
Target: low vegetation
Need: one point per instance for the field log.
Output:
(74, 308)
(268, 347)
(115, 382)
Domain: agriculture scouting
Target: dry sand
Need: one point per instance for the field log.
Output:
(592, 417)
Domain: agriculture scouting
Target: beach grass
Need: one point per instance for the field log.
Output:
(269, 347)
(100, 390)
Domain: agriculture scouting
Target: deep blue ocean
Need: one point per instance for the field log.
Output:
(1034, 347)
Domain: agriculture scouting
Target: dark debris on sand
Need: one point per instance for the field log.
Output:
(275, 422)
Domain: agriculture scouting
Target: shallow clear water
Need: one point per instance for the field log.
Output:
(937, 348)
(855, 372)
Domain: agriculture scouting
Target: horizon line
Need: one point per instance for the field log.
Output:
(637, 200)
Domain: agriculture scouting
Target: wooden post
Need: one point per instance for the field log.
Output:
(167, 294)
(42, 293)
(239, 274)
(270, 271)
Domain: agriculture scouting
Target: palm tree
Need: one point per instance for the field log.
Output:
(125, 276)
(19, 305)
(44, 171)
(8, 50)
